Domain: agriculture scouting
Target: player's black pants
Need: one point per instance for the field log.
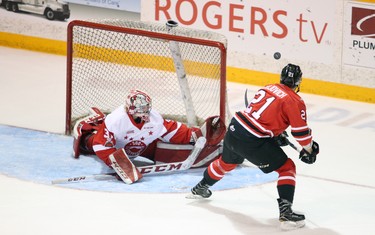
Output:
(262, 152)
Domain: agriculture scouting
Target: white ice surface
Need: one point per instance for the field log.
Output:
(336, 193)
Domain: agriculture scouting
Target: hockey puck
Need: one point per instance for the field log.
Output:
(277, 55)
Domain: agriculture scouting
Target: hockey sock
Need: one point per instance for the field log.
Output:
(286, 192)
(207, 179)
(216, 170)
(287, 181)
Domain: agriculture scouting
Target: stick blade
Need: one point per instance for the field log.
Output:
(88, 178)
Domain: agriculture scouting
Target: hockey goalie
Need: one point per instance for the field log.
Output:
(135, 129)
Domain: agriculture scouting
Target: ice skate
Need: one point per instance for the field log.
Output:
(288, 219)
(200, 191)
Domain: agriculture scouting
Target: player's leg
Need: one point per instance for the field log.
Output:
(217, 169)
(269, 158)
(286, 188)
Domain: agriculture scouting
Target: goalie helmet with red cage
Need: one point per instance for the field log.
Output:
(291, 76)
(139, 104)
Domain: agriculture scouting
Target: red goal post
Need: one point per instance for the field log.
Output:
(183, 70)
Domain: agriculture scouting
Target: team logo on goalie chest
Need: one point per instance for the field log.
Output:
(135, 148)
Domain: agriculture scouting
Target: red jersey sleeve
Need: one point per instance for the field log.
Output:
(177, 132)
(104, 144)
(296, 113)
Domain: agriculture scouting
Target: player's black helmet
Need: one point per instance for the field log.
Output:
(291, 76)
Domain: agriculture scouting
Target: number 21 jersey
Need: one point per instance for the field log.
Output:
(273, 109)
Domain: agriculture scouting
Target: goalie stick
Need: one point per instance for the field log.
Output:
(149, 170)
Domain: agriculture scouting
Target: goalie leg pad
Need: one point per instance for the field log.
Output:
(168, 153)
(124, 168)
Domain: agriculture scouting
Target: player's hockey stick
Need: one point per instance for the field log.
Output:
(292, 145)
(246, 100)
(145, 170)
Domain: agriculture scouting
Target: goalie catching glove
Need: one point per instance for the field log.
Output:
(307, 157)
(213, 129)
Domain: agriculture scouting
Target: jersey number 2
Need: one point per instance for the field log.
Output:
(260, 95)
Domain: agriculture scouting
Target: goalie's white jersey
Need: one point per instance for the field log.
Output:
(119, 130)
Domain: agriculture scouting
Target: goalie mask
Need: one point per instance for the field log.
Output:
(291, 76)
(138, 104)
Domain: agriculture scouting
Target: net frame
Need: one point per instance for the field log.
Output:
(154, 31)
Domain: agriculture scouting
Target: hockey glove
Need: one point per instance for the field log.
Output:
(213, 129)
(281, 139)
(307, 157)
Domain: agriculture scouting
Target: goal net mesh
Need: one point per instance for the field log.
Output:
(108, 58)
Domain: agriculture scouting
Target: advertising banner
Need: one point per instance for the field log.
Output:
(359, 35)
(285, 28)
(125, 5)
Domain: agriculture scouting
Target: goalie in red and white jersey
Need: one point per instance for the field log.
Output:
(257, 133)
(136, 128)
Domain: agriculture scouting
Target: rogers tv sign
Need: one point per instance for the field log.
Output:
(297, 29)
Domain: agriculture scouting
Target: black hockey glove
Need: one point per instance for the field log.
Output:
(281, 139)
(307, 157)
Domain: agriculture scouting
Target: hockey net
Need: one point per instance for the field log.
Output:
(183, 70)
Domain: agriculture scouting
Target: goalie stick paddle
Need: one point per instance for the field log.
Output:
(145, 170)
(96, 177)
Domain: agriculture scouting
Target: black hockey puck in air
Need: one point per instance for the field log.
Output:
(277, 55)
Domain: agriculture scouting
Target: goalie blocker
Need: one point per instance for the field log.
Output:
(123, 167)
